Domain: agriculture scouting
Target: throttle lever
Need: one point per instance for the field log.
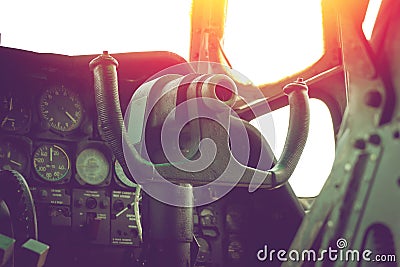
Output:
(104, 68)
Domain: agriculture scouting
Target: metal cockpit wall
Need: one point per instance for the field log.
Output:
(357, 203)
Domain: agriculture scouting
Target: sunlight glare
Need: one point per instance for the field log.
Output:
(370, 17)
(268, 40)
(88, 27)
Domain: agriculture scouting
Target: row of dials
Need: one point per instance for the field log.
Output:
(58, 106)
(52, 164)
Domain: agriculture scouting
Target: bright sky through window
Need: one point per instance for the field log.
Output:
(77, 27)
(268, 40)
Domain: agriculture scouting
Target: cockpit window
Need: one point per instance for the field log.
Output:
(269, 40)
(316, 161)
(370, 17)
(265, 40)
(88, 27)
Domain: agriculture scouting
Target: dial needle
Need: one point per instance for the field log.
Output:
(70, 117)
(16, 163)
(4, 121)
(11, 104)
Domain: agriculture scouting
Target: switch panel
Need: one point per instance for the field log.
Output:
(91, 215)
(124, 229)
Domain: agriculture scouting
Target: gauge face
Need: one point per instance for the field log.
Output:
(13, 157)
(92, 166)
(14, 115)
(51, 163)
(122, 177)
(61, 109)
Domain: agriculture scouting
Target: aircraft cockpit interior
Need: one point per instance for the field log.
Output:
(199, 133)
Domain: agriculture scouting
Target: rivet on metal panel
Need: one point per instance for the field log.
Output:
(347, 167)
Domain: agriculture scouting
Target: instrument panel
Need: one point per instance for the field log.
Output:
(89, 212)
(49, 132)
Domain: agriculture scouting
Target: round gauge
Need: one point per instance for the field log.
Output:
(61, 109)
(14, 115)
(92, 166)
(121, 175)
(51, 163)
(13, 157)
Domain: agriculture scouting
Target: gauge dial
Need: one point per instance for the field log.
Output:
(51, 163)
(92, 166)
(61, 109)
(13, 157)
(119, 172)
(14, 115)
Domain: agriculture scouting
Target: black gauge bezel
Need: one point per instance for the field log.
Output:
(67, 176)
(24, 145)
(24, 105)
(46, 121)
